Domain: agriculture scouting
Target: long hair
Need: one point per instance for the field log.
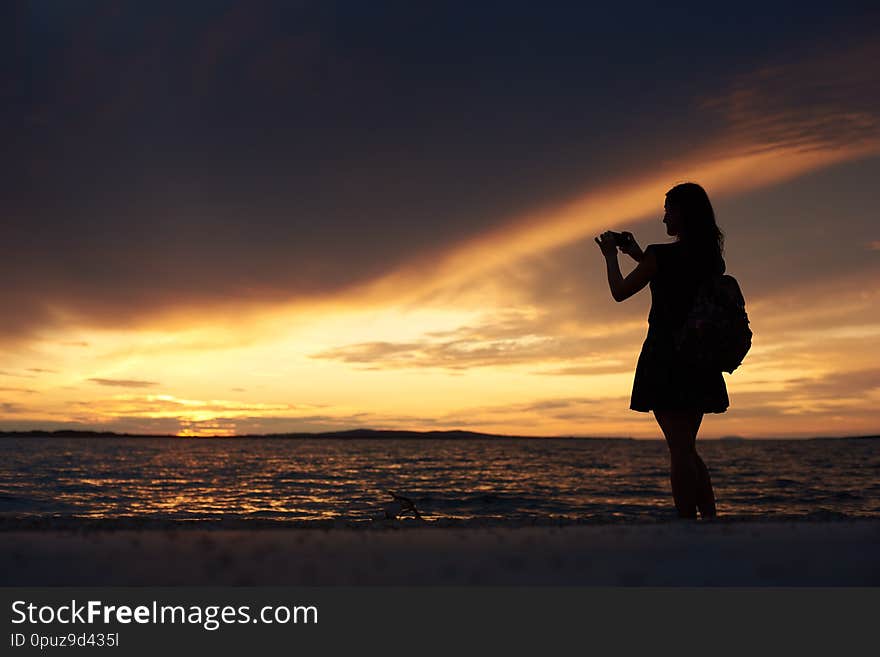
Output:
(700, 235)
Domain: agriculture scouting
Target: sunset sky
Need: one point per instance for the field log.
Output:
(225, 218)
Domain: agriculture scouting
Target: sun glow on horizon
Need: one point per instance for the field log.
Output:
(426, 348)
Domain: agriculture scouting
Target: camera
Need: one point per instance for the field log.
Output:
(621, 239)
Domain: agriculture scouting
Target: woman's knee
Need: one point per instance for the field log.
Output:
(683, 452)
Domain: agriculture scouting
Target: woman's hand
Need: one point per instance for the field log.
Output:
(607, 243)
(631, 248)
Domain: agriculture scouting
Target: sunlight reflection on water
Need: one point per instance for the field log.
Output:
(311, 479)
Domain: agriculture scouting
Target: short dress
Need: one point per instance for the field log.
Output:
(662, 381)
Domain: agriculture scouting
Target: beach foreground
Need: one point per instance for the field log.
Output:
(766, 553)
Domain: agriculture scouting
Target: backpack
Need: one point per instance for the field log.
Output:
(716, 333)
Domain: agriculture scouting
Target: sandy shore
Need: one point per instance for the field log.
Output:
(835, 553)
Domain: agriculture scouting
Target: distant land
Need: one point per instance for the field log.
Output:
(379, 434)
(353, 433)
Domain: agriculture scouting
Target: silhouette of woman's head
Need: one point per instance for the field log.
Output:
(690, 217)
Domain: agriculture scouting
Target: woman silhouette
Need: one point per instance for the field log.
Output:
(678, 394)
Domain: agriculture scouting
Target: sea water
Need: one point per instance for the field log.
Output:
(492, 480)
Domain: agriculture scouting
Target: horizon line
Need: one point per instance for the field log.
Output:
(460, 434)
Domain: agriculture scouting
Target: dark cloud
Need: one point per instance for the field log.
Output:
(784, 246)
(588, 370)
(783, 416)
(170, 156)
(222, 425)
(161, 404)
(554, 404)
(124, 383)
(793, 249)
(821, 100)
(511, 342)
(835, 385)
(571, 409)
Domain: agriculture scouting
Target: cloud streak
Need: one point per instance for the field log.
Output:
(124, 383)
(352, 208)
(388, 202)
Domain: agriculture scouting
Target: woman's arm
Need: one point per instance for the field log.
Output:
(631, 248)
(623, 288)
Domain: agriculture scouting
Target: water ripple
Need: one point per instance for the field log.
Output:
(315, 479)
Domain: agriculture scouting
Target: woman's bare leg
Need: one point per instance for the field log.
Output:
(678, 428)
(705, 494)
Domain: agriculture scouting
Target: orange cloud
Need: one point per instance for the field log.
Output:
(124, 383)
